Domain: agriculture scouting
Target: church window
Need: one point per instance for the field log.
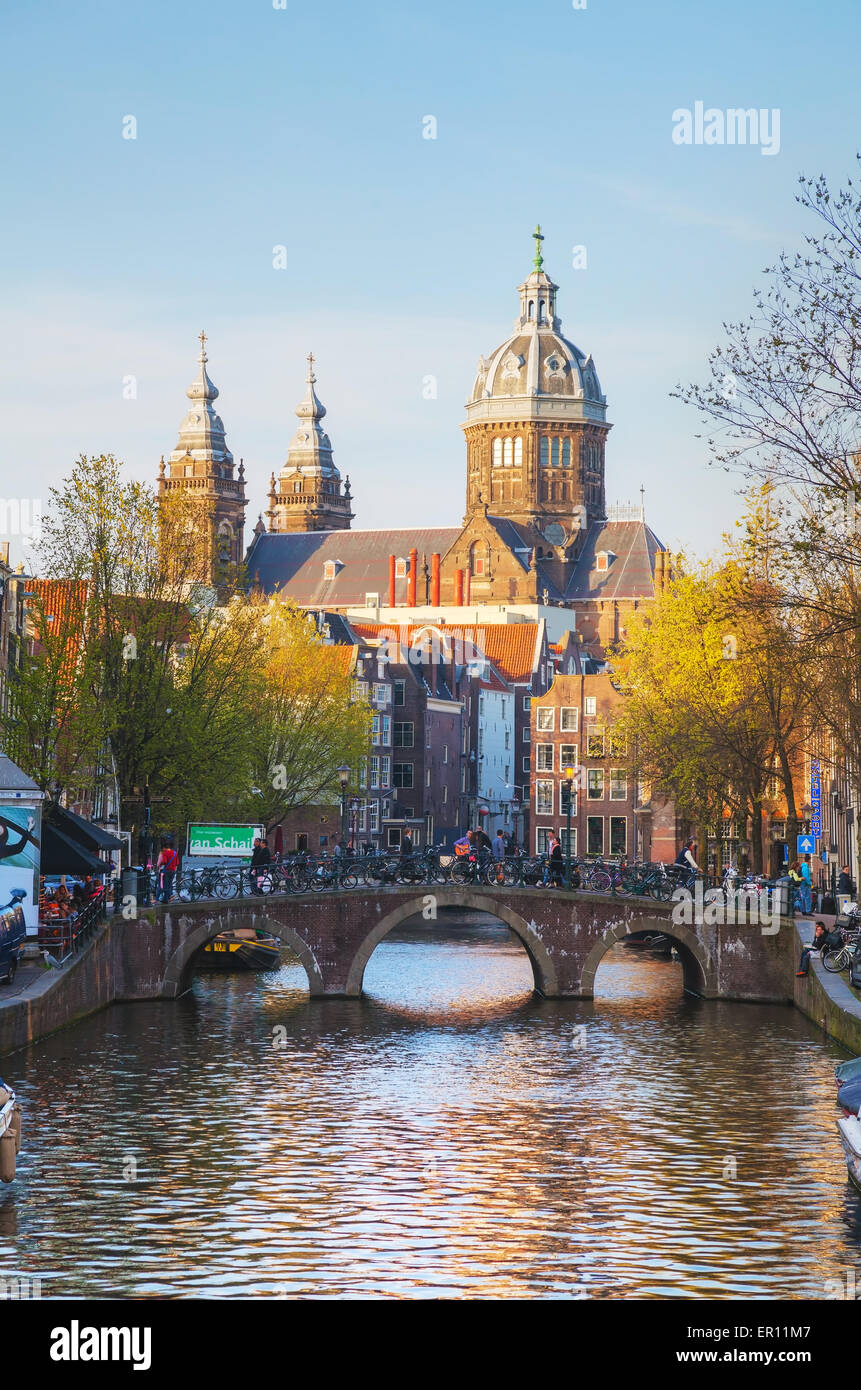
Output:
(541, 318)
(518, 452)
(532, 308)
(497, 452)
(188, 470)
(554, 451)
(566, 453)
(544, 453)
(507, 449)
(297, 487)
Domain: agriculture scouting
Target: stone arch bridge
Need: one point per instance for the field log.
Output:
(565, 935)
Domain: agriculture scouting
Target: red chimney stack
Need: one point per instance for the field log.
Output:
(435, 581)
(411, 586)
(458, 588)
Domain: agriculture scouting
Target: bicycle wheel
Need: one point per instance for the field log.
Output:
(835, 959)
(349, 879)
(187, 889)
(225, 886)
(599, 881)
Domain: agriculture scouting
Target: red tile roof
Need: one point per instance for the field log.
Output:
(511, 647)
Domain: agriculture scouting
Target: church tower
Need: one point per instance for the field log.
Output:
(537, 425)
(201, 466)
(308, 494)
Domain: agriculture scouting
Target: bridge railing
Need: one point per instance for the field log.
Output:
(330, 874)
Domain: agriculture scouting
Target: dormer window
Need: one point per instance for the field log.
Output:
(604, 559)
(400, 568)
(330, 569)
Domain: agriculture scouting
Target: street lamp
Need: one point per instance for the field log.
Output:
(344, 779)
(354, 821)
(567, 785)
(515, 811)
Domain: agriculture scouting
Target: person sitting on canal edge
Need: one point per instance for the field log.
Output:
(819, 934)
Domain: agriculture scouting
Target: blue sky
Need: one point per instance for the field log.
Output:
(302, 127)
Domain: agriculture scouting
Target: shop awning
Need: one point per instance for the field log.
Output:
(63, 855)
(91, 836)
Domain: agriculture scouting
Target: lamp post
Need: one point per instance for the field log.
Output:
(354, 821)
(515, 810)
(344, 778)
(566, 797)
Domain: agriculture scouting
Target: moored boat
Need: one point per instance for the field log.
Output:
(652, 943)
(242, 949)
(850, 1137)
(10, 1132)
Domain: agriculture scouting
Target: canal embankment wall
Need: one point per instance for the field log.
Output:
(827, 999)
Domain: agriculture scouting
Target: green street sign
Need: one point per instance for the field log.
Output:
(236, 840)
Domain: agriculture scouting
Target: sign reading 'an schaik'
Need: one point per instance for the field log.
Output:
(236, 840)
(816, 798)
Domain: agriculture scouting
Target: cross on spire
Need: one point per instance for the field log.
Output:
(539, 259)
(202, 336)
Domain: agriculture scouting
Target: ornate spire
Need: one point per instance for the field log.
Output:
(308, 496)
(539, 259)
(201, 434)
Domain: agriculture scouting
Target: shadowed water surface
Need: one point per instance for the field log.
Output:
(448, 1135)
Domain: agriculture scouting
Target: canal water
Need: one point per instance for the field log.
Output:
(448, 1135)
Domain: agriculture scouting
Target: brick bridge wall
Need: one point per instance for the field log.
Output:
(565, 934)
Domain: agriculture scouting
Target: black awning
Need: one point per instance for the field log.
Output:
(69, 823)
(62, 855)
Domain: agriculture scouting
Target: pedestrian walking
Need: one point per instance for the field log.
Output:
(806, 889)
(686, 860)
(556, 862)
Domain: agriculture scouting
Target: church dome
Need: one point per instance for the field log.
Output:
(536, 362)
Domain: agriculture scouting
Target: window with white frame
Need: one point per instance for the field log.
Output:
(403, 775)
(595, 746)
(618, 835)
(375, 817)
(385, 771)
(590, 704)
(618, 784)
(594, 834)
(386, 729)
(375, 770)
(544, 717)
(527, 701)
(527, 734)
(544, 798)
(526, 765)
(381, 694)
(359, 690)
(375, 728)
(568, 719)
(363, 772)
(595, 784)
(404, 733)
(544, 757)
(568, 755)
(542, 840)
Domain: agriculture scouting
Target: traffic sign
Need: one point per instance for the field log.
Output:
(806, 844)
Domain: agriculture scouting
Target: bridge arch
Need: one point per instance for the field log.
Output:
(178, 967)
(543, 969)
(699, 974)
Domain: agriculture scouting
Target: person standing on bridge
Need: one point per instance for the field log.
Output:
(166, 866)
(260, 858)
(806, 890)
(686, 860)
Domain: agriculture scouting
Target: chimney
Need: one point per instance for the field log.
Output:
(467, 586)
(435, 581)
(411, 583)
(458, 588)
(391, 581)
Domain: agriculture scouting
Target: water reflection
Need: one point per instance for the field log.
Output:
(447, 1135)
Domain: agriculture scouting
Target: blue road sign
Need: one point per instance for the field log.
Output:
(806, 844)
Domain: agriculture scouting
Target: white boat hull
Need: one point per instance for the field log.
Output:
(850, 1137)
